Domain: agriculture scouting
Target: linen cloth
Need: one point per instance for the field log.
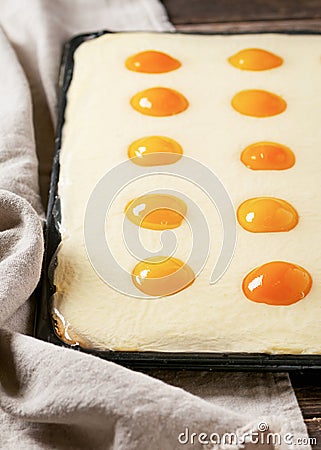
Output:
(55, 398)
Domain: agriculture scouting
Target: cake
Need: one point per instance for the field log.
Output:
(246, 107)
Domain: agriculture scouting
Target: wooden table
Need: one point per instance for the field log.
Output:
(258, 15)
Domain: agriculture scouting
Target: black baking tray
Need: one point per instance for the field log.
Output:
(140, 360)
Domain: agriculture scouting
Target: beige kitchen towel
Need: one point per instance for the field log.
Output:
(55, 398)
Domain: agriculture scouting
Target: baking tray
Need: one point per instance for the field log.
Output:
(139, 360)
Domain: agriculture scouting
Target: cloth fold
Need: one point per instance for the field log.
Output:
(21, 249)
(55, 398)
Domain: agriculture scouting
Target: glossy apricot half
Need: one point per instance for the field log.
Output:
(266, 215)
(159, 102)
(155, 151)
(255, 59)
(156, 211)
(160, 276)
(151, 61)
(277, 283)
(268, 156)
(258, 103)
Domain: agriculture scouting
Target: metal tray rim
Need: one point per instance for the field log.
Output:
(144, 360)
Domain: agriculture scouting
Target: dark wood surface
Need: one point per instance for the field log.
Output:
(184, 12)
(260, 15)
(307, 387)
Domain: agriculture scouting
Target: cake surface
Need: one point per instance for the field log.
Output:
(100, 124)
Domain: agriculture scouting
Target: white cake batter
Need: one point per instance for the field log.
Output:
(101, 124)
